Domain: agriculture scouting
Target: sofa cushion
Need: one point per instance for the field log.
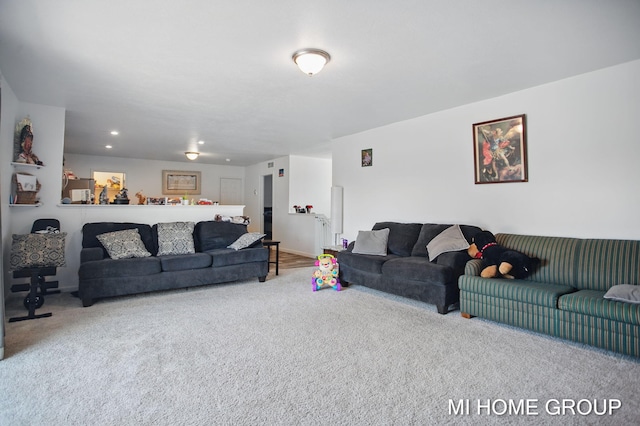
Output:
(227, 256)
(604, 263)
(109, 268)
(417, 269)
(210, 235)
(451, 239)
(246, 240)
(402, 236)
(37, 251)
(372, 242)
(593, 303)
(364, 262)
(91, 230)
(183, 262)
(175, 238)
(535, 293)
(557, 256)
(123, 244)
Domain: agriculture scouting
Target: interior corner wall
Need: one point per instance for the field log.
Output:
(304, 180)
(583, 169)
(312, 183)
(9, 111)
(48, 130)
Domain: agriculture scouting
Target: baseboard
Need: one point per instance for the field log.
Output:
(299, 253)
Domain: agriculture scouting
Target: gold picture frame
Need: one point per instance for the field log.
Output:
(178, 182)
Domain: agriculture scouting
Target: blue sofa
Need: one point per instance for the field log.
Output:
(406, 269)
(101, 276)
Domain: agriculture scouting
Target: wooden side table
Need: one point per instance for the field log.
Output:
(332, 250)
(269, 244)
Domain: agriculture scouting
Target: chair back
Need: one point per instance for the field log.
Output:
(44, 224)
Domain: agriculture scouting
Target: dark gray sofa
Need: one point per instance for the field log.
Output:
(406, 269)
(212, 263)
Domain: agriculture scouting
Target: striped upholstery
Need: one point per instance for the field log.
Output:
(557, 256)
(591, 302)
(535, 293)
(605, 263)
(533, 317)
(616, 336)
(563, 297)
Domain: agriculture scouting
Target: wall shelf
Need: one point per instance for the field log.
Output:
(25, 205)
(33, 166)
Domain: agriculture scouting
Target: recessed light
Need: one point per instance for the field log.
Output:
(108, 146)
(200, 142)
(115, 132)
(228, 159)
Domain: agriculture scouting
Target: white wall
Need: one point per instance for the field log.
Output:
(306, 181)
(583, 164)
(146, 175)
(48, 131)
(8, 111)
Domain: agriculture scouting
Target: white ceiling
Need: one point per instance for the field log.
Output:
(168, 73)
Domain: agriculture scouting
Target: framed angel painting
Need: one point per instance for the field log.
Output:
(500, 150)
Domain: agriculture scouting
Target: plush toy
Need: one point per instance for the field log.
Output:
(326, 274)
(500, 261)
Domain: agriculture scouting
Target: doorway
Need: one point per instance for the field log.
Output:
(267, 203)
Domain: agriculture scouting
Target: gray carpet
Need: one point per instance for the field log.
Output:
(255, 353)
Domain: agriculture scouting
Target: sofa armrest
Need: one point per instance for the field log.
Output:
(473, 267)
(91, 253)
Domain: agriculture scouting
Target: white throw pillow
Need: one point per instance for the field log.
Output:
(372, 242)
(451, 239)
(628, 293)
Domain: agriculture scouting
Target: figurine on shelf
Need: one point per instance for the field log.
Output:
(142, 199)
(122, 197)
(26, 154)
(103, 198)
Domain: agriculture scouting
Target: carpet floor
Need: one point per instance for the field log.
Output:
(276, 353)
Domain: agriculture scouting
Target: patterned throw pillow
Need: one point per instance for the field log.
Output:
(246, 240)
(175, 238)
(37, 251)
(123, 244)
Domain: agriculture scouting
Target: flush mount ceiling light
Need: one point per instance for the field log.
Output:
(192, 155)
(311, 61)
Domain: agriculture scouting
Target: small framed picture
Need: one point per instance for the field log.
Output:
(367, 157)
(500, 150)
(156, 201)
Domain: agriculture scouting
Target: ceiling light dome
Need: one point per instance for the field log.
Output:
(192, 155)
(311, 61)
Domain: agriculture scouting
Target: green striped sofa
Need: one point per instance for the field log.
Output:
(563, 297)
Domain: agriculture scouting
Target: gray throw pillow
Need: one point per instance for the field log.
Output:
(372, 242)
(628, 293)
(123, 244)
(451, 239)
(246, 240)
(175, 238)
(37, 251)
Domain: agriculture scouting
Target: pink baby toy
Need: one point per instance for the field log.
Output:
(326, 274)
